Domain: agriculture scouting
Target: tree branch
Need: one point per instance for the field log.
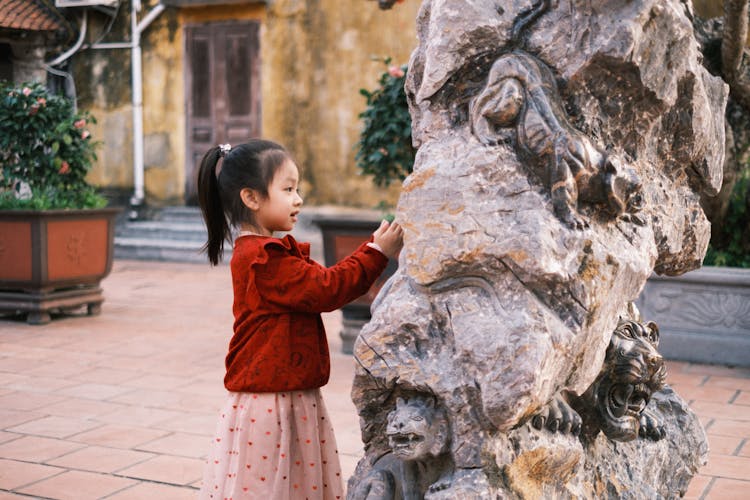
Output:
(733, 48)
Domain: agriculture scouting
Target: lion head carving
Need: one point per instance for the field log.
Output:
(417, 429)
(632, 371)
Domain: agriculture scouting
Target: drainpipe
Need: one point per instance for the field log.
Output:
(137, 92)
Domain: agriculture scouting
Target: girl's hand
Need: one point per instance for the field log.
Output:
(390, 238)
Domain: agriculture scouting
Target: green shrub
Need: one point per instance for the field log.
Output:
(384, 149)
(735, 252)
(45, 151)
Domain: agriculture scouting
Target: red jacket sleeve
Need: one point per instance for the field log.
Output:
(289, 282)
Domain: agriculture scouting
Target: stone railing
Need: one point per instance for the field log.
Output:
(703, 315)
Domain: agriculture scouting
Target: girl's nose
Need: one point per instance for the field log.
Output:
(298, 199)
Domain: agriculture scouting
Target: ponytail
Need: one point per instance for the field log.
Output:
(209, 199)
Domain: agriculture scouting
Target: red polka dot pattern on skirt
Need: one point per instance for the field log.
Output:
(267, 448)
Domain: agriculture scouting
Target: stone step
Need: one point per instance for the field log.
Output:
(162, 249)
(179, 214)
(187, 231)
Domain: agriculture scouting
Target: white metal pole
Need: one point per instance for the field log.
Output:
(137, 90)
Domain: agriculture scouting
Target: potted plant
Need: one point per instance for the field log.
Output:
(56, 237)
(385, 152)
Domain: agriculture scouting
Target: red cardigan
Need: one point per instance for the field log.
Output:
(279, 342)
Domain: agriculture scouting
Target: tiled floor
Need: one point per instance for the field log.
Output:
(121, 406)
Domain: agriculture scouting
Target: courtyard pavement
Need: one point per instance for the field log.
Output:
(122, 405)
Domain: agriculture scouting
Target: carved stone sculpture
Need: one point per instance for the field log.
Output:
(633, 371)
(563, 148)
(520, 93)
(418, 436)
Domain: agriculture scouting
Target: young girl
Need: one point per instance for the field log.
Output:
(274, 439)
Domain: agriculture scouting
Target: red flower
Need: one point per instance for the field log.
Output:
(26, 91)
(395, 71)
(80, 123)
(41, 101)
(34, 109)
(64, 168)
(85, 134)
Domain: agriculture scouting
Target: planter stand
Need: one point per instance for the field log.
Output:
(38, 306)
(54, 260)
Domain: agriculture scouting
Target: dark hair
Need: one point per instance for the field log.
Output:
(249, 165)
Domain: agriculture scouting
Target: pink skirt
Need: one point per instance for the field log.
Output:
(273, 446)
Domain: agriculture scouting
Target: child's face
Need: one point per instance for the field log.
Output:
(278, 212)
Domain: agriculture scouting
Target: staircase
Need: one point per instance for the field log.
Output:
(177, 234)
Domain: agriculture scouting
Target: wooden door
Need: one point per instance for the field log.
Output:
(223, 90)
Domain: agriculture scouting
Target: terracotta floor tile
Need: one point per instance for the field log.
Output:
(78, 485)
(723, 445)
(743, 398)
(710, 394)
(56, 427)
(101, 459)
(136, 364)
(14, 474)
(728, 489)
(202, 424)
(154, 381)
(8, 378)
(719, 410)
(718, 370)
(728, 467)
(23, 350)
(106, 376)
(208, 388)
(697, 487)
(28, 400)
(167, 469)
(8, 436)
(6, 495)
(40, 384)
(726, 427)
(59, 368)
(82, 408)
(742, 384)
(155, 491)
(179, 443)
(15, 365)
(36, 449)
(96, 391)
(141, 416)
(119, 436)
(11, 418)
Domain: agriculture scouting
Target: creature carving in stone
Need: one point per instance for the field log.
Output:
(418, 435)
(521, 95)
(633, 371)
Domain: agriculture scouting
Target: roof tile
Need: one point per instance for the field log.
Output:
(30, 15)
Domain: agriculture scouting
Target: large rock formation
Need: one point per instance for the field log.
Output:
(563, 150)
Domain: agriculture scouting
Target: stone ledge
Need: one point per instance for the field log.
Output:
(703, 315)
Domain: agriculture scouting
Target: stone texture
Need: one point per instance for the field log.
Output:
(500, 303)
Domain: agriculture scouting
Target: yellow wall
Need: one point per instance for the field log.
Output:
(315, 56)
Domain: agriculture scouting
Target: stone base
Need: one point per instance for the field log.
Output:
(38, 305)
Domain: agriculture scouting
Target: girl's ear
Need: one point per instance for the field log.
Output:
(250, 198)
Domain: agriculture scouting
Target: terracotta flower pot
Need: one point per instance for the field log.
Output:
(53, 260)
